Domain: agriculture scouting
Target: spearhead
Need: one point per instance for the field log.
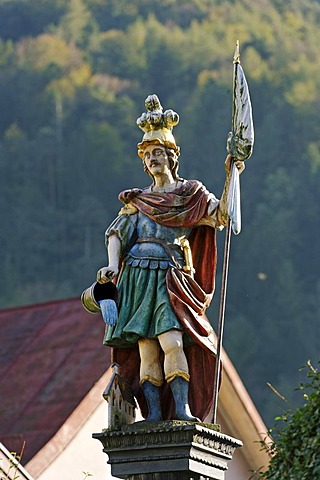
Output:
(236, 57)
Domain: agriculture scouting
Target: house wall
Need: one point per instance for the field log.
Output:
(237, 467)
(83, 453)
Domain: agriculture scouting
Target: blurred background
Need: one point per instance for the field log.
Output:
(74, 75)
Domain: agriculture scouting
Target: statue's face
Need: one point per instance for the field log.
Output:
(156, 159)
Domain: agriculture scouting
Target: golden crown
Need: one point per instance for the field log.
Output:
(157, 125)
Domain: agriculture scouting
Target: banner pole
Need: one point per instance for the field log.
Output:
(225, 270)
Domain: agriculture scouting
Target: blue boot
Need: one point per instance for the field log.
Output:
(180, 388)
(152, 396)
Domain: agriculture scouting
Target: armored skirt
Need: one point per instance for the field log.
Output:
(144, 307)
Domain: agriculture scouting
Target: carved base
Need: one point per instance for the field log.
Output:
(171, 450)
(168, 476)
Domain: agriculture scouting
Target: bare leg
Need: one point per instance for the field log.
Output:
(150, 368)
(175, 362)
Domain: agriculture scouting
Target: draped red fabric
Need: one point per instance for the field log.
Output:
(184, 206)
(204, 249)
(190, 298)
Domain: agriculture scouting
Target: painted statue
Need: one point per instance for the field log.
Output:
(162, 259)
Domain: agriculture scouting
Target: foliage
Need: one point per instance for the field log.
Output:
(296, 450)
(86, 475)
(14, 462)
(73, 79)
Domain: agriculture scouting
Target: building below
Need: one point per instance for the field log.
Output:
(53, 373)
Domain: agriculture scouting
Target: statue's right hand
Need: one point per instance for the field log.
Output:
(106, 274)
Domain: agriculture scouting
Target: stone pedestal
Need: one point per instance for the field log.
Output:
(171, 450)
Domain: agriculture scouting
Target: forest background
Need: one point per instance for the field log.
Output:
(74, 75)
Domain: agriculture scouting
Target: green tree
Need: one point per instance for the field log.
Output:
(296, 448)
(22, 18)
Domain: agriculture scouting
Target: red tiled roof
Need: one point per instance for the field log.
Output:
(51, 356)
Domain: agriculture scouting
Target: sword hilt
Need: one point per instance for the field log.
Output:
(188, 267)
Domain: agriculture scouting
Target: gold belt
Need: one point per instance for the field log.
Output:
(170, 248)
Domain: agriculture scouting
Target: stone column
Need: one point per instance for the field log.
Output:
(170, 450)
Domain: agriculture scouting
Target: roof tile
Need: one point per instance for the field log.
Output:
(51, 356)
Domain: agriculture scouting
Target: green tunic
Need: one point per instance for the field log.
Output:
(144, 306)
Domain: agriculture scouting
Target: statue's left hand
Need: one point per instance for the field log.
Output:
(238, 163)
(105, 274)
